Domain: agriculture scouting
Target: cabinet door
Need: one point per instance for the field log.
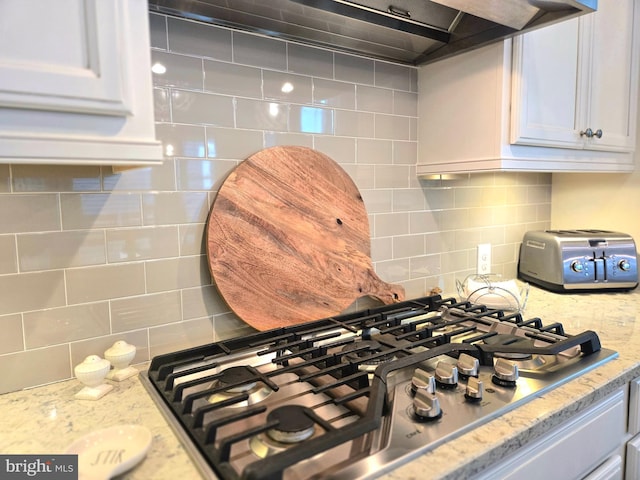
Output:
(544, 86)
(61, 56)
(613, 82)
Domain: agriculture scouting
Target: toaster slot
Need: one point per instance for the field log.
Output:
(599, 269)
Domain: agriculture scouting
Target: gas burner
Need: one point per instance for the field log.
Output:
(365, 354)
(506, 339)
(239, 380)
(295, 425)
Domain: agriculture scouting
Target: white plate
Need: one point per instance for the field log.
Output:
(111, 451)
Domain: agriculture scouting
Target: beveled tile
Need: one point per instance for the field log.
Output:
(5, 179)
(96, 210)
(310, 60)
(272, 139)
(181, 335)
(229, 325)
(405, 103)
(8, 254)
(194, 38)
(156, 177)
(426, 266)
(393, 127)
(29, 213)
(334, 94)
(47, 251)
(305, 119)
(66, 324)
(232, 143)
(202, 302)
(362, 175)
(392, 176)
(161, 105)
(405, 153)
(391, 75)
(372, 151)
(408, 199)
(374, 99)
(407, 246)
(261, 115)
(158, 31)
(91, 284)
(287, 87)
(229, 79)
(391, 224)
(340, 149)
(351, 68)
(259, 51)
(378, 201)
(11, 338)
(174, 70)
(31, 291)
(202, 174)
(170, 208)
(201, 108)
(177, 273)
(424, 222)
(192, 239)
(182, 140)
(53, 366)
(55, 178)
(132, 244)
(354, 124)
(144, 311)
(381, 249)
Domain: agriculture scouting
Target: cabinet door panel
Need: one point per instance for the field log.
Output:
(61, 56)
(545, 72)
(613, 66)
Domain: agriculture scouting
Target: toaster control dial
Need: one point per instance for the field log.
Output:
(624, 265)
(577, 266)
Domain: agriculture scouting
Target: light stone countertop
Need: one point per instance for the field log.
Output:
(46, 420)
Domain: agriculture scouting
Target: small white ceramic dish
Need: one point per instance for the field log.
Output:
(108, 452)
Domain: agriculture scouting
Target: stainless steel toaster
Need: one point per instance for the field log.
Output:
(574, 260)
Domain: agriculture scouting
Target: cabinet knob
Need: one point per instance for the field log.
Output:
(590, 133)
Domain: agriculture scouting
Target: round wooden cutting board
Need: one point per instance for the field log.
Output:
(288, 240)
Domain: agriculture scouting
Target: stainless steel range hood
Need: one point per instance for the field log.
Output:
(406, 31)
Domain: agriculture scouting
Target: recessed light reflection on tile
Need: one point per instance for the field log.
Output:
(158, 68)
(287, 87)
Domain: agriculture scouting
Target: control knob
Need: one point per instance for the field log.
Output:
(468, 365)
(446, 375)
(474, 390)
(422, 380)
(505, 373)
(624, 265)
(426, 406)
(577, 267)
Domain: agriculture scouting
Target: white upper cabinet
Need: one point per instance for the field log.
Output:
(561, 98)
(75, 83)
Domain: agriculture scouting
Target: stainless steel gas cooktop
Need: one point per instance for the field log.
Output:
(356, 395)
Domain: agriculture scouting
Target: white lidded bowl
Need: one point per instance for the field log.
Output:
(120, 354)
(92, 371)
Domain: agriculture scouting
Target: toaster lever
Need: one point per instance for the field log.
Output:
(599, 269)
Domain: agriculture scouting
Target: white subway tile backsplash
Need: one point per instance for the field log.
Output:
(8, 254)
(29, 213)
(11, 339)
(66, 324)
(229, 79)
(259, 51)
(57, 250)
(374, 99)
(89, 255)
(195, 38)
(201, 108)
(310, 60)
